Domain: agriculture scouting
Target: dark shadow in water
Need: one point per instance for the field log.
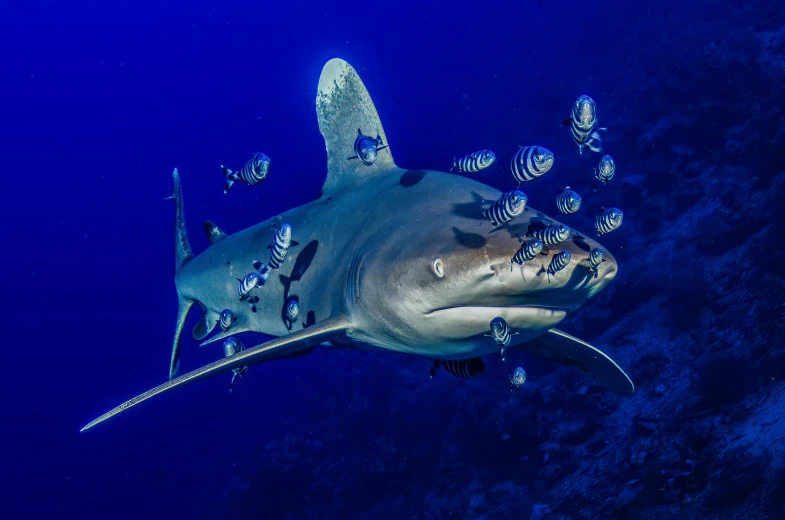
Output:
(472, 210)
(301, 265)
(412, 177)
(469, 240)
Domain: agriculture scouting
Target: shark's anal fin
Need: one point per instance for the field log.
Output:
(343, 105)
(560, 346)
(284, 346)
(213, 232)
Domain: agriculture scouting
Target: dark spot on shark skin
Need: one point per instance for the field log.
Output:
(580, 243)
(411, 177)
(469, 240)
(301, 264)
(471, 210)
(310, 319)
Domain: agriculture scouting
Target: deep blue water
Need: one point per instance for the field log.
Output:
(101, 100)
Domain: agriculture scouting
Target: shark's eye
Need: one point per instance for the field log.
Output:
(438, 267)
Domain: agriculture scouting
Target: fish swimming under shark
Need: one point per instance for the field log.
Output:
(416, 274)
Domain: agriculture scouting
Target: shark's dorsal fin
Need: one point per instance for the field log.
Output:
(213, 232)
(343, 106)
(282, 347)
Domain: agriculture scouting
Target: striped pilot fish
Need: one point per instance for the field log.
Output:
(595, 259)
(473, 162)
(517, 378)
(583, 124)
(280, 246)
(247, 284)
(606, 170)
(559, 261)
(461, 368)
(234, 346)
(528, 251)
(292, 311)
(509, 206)
(530, 162)
(252, 172)
(501, 333)
(551, 235)
(608, 220)
(226, 319)
(568, 201)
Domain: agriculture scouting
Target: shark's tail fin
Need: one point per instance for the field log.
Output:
(182, 254)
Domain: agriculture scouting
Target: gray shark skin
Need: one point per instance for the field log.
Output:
(362, 265)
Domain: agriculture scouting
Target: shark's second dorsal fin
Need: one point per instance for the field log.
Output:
(343, 107)
(213, 232)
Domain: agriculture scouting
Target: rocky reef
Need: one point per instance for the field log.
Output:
(696, 317)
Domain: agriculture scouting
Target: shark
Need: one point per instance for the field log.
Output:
(387, 258)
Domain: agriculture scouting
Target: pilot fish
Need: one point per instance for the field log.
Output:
(528, 251)
(461, 368)
(595, 259)
(559, 261)
(252, 172)
(606, 169)
(226, 319)
(280, 246)
(583, 124)
(501, 333)
(509, 206)
(233, 346)
(530, 162)
(568, 201)
(552, 234)
(608, 220)
(292, 311)
(517, 378)
(473, 162)
(248, 283)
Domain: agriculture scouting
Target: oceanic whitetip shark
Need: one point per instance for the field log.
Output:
(386, 258)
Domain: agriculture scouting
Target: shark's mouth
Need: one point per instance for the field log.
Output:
(463, 322)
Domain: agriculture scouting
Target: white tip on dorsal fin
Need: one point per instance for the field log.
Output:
(343, 106)
(213, 232)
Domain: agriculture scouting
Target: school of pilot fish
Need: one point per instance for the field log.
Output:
(527, 164)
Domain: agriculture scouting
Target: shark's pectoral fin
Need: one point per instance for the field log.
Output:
(285, 346)
(560, 346)
(206, 325)
(343, 105)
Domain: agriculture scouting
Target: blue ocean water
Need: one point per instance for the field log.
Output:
(102, 100)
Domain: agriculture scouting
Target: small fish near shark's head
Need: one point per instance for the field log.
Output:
(584, 112)
(440, 285)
